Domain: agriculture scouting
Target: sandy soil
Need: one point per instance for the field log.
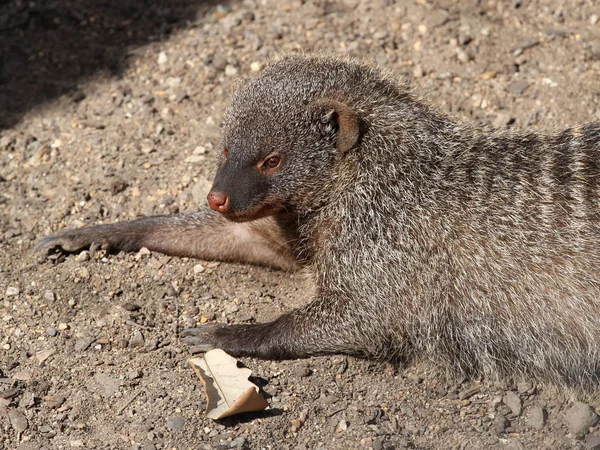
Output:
(111, 110)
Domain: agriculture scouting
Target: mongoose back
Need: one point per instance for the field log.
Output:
(475, 248)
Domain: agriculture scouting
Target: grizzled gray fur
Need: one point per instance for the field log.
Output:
(477, 249)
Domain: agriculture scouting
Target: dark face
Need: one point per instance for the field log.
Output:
(282, 137)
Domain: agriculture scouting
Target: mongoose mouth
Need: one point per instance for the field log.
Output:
(263, 210)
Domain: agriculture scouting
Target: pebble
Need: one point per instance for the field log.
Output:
(137, 340)
(518, 87)
(536, 417)
(513, 401)
(17, 420)
(302, 371)
(255, 66)
(198, 268)
(54, 401)
(594, 19)
(463, 56)
(176, 423)
(194, 159)
(238, 442)
(108, 384)
(579, 418)
(502, 120)
(342, 426)
(84, 342)
(43, 355)
(51, 331)
(134, 374)
(592, 442)
(500, 424)
(297, 423)
(418, 71)
(231, 308)
(128, 306)
(12, 291)
(162, 58)
(49, 296)
(219, 62)
(231, 70)
(526, 387)
(469, 392)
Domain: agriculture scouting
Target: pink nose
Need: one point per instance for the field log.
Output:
(218, 201)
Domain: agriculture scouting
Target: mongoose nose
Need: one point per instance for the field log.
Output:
(218, 201)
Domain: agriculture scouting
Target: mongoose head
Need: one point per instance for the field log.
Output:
(284, 133)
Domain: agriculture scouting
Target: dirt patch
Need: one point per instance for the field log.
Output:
(90, 355)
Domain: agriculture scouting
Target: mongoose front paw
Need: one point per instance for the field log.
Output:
(67, 240)
(258, 340)
(204, 338)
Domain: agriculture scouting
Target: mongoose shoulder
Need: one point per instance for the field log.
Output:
(477, 249)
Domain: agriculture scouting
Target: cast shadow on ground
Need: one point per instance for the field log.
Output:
(49, 47)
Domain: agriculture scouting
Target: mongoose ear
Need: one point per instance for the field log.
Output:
(343, 118)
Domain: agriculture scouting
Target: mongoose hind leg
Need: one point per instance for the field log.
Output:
(204, 234)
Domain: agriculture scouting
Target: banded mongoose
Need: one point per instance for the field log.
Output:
(474, 248)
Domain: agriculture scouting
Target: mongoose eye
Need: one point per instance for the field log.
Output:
(225, 153)
(272, 163)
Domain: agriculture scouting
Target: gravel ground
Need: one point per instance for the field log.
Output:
(111, 110)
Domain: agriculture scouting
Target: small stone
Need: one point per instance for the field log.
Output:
(377, 444)
(536, 417)
(27, 400)
(231, 308)
(17, 420)
(198, 268)
(12, 291)
(176, 423)
(579, 418)
(469, 392)
(194, 158)
(128, 306)
(51, 331)
(255, 66)
(525, 387)
(134, 374)
(84, 342)
(302, 371)
(238, 442)
(54, 401)
(463, 56)
(231, 70)
(9, 393)
(162, 58)
(63, 326)
(500, 424)
(342, 426)
(592, 441)
(518, 87)
(219, 62)
(85, 255)
(49, 296)
(418, 71)
(513, 401)
(44, 354)
(108, 384)
(502, 120)
(137, 340)
(594, 19)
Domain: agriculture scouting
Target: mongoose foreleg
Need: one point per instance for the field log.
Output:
(204, 234)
